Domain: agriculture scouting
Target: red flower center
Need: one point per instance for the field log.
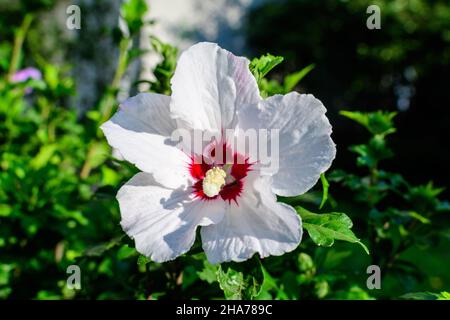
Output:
(235, 165)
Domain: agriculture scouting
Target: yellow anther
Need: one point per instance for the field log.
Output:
(214, 181)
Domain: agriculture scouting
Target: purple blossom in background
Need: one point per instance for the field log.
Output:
(26, 74)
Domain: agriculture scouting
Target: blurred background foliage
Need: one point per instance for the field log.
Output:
(387, 99)
(401, 67)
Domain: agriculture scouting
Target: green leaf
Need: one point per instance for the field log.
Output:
(325, 187)
(5, 210)
(305, 263)
(268, 88)
(125, 252)
(269, 284)
(334, 258)
(100, 249)
(43, 157)
(411, 214)
(94, 115)
(261, 66)
(424, 195)
(133, 13)
(325, 228)
(73, 215)
(109, 176)
(426, 296)
(208, 273)
(165, 69)
(321, 289)
(241, 280)
(143, 260)
(98, 154)
(51, 76)
(293, 79)
(443, 296)
(379, 122)
(370, 154)
(353, 293)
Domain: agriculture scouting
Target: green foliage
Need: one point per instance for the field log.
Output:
(378, 123)
(49, 214)
(260, 67)
(241, 280)
(325, 187)
(58, 183)
(400, 217)
(291, 80)
(164, 70)
(324, 228)
(133, 12)
(426, 296)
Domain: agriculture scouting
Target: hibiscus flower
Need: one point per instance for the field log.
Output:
(234, 201)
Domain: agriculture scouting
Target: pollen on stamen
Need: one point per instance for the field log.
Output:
(213, 181)
(233, 174)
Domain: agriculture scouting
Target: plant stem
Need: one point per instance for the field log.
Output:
(371, 225)
(86, 169)
(108, 100)
(18, 43)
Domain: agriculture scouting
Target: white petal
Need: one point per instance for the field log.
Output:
(257, 224)
(141, 130)
(208, 85)
(151, 111)
(305, 146)
(161, 221)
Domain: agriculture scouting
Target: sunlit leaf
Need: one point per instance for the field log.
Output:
(291, 80)
(379, 122)
(325, 228)
(133, 13)
(261, 66)
(143, 260)
(44, 155)
(208, 273)
(426, 296)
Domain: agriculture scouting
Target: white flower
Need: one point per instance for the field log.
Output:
(234, 204)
